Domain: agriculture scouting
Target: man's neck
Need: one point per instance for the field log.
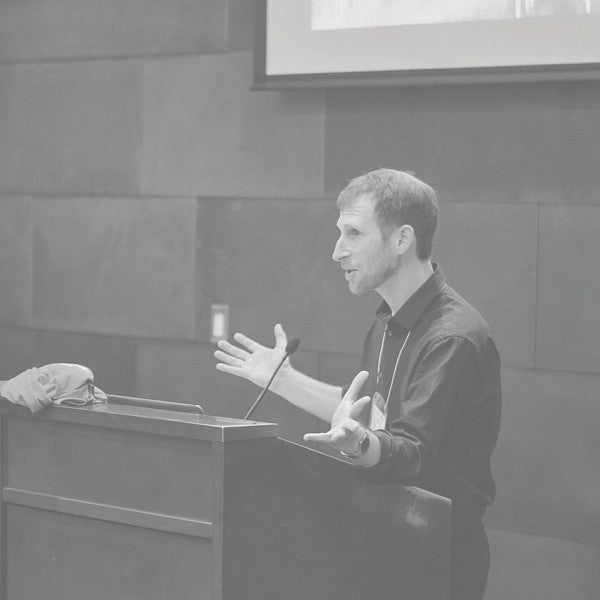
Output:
(404, 283)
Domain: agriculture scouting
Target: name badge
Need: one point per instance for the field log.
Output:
(378, 416)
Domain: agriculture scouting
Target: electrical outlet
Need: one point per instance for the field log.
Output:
(219, 322)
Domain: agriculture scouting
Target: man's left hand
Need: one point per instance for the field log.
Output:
(346, 429)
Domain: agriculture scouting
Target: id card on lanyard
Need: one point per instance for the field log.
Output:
(379, 405)
(378, 412)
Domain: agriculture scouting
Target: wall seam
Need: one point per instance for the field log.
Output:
(536, 286)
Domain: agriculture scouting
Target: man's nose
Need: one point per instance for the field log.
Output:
(339, 251)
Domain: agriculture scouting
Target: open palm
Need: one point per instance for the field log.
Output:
(252, 360)
(346, 426)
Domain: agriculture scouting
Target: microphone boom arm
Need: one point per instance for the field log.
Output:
(291, 347)
(260, 397)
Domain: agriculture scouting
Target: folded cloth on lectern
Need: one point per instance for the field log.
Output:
(56, 383)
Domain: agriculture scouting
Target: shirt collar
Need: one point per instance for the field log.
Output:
(410, 312)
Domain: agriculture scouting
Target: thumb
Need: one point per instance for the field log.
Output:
(280, 337)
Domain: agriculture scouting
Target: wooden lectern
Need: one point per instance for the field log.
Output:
(119, 502)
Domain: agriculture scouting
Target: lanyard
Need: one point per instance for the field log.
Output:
(395, 366)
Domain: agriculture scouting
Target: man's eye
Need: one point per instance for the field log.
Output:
(354, 232)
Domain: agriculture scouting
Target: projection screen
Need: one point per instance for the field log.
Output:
(344, 42)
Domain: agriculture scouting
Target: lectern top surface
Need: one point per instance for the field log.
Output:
(151, 420)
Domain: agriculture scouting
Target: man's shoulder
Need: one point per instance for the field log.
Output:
(450, 315)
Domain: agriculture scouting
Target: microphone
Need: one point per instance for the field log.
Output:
(290, 348)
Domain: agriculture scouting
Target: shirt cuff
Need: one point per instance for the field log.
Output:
(386, 445)
(371, 457)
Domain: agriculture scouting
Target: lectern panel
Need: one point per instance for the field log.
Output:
(300, 525)
(53, 556)
(148, 472)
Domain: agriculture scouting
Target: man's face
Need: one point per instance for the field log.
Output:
(367, 259)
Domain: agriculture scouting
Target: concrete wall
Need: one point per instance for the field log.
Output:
(141, 180)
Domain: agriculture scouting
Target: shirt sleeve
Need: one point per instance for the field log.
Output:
(442, 380)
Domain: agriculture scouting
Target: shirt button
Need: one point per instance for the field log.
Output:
(389, 332)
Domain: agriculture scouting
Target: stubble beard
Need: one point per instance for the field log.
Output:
(376, 278)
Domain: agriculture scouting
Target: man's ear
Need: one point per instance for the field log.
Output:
(403, 238)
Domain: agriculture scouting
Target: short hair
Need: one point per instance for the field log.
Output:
(400, 199)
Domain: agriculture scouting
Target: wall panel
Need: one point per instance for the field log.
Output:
(488, 254)
(568, 323)
(186, 373)
(207, 133)
(124, 267)
(60, 29)
(546, 461)
(510, 143)
(15, 260)
(70, 128)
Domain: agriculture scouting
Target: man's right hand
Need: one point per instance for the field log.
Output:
(253, 361)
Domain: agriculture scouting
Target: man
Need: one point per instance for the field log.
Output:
(432, 370)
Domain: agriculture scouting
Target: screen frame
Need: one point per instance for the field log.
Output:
(412, 77)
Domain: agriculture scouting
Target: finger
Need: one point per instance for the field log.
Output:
(245, 341)
(317, 437)
(229, 369)
(280, 336)
(356, 384)
(333, 436)
(348, 425)
(338, 435)
(228, 359)
(233, 350)
(358, 407)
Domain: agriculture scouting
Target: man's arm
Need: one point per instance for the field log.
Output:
(256, 363)
(316, 397)
(439, 386)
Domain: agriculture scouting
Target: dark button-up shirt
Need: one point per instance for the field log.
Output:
(443, 412)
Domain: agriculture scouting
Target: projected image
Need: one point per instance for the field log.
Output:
(349, 14)
(540, 8)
